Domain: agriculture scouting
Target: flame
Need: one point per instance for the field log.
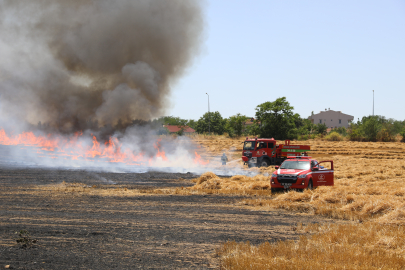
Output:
(95, 150)
(75, 148)
(28, 138)
(160, 154)
(199, 160)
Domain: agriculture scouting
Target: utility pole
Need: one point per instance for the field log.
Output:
(209, 117)
(373, 102)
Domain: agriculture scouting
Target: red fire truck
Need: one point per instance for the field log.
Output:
(302, 172)
(264, 152)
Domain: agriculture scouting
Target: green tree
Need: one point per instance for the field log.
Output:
(253, 129)
(398, 126)
(211, 121)
(235, 124)
(305, 127)
(173, 121)
(370, 126)
(321, 128)
(354, 131)
(375, 128)
(191, 123)
(276, 119)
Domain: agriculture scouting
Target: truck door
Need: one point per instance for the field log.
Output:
(323, 175)
(315, 174)
(261, 149)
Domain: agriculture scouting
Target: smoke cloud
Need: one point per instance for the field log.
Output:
(68, 63)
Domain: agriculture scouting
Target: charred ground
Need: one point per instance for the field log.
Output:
(88, 220)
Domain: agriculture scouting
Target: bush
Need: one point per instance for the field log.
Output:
(385, 136)
(355, 134)
(334, 136)
(321, 129)
(231, 133)
(341, 130)
(302, 137)
(402, 133)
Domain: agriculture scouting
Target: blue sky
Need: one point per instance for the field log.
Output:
(318, 54)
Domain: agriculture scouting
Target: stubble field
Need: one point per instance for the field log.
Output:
(182, 221)
(369, 191)
(78, 219)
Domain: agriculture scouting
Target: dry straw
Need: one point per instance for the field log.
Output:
(369, 190)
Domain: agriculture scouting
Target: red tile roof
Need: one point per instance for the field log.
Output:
(173, 129)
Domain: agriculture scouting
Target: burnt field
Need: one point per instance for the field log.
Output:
(89, 220)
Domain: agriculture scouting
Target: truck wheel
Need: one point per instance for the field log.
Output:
(250, 165)
(264, 163)
(275, 190)
(310, 186)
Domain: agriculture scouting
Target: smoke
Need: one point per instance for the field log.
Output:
(96, 66)
(70, 63)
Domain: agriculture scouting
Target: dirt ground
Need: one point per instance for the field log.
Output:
(118, 224)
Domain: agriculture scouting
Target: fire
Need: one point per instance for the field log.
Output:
(160, 154)
(75, 148)
(199, 160)
(28, 138)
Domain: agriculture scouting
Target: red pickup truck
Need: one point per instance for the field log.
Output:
(302, 172)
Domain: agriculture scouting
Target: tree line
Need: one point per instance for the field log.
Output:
(272, 119)
(277, 120)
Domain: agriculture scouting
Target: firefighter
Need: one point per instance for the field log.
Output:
(224, 159)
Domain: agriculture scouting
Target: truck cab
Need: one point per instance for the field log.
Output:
(302, 172)
(263, 152)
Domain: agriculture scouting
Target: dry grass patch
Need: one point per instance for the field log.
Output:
(209, 180)
(370, 246)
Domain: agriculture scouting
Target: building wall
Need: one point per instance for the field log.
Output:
(332, 119)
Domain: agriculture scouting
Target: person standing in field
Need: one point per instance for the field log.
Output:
(224, 159)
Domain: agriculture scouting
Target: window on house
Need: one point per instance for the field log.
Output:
(340, 121)
(320, 121)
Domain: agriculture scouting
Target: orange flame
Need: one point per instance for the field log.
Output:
(199, 160)
(160, 154)
(111, 150)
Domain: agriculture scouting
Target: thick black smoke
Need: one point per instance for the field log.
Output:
(71, 63)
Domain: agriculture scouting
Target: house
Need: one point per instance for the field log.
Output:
(331, 118)
(175, 129)
(249, 121)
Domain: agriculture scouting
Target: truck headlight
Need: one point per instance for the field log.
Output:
(302, 176)
(273, 175)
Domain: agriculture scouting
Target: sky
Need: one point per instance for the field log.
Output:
(318, 54)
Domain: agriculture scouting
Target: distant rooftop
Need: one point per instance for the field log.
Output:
(174, 129)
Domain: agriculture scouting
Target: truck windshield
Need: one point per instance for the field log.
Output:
(249, 146)
(296, 165)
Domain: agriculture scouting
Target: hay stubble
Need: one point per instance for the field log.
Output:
(369, 190)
